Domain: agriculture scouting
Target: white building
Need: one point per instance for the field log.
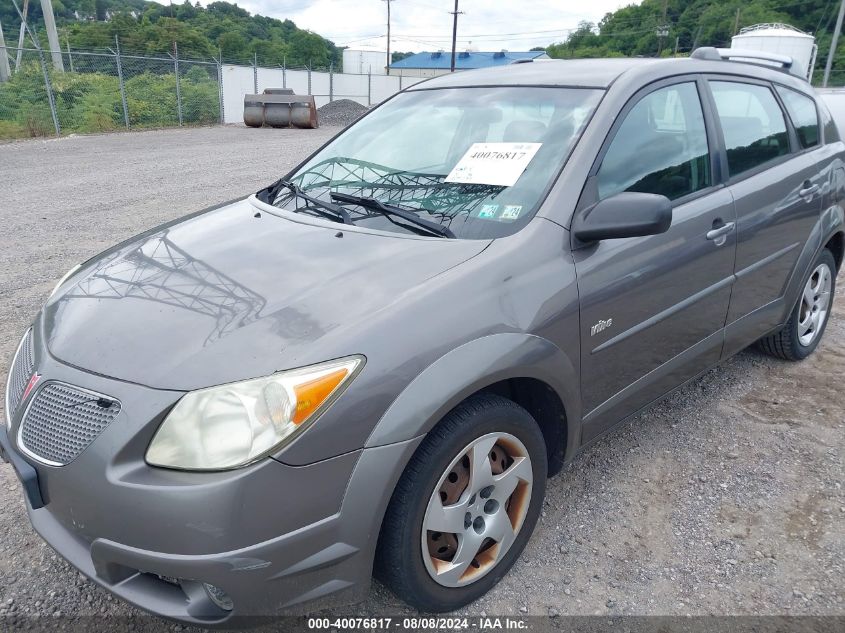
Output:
(364, 60)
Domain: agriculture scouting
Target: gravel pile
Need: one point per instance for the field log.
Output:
(341, 112)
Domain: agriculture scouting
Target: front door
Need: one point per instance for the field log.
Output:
(653, 308)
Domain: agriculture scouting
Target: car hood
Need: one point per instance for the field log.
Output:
(233, 294)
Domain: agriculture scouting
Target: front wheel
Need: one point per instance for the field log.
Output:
(805, 327)
(465, 506)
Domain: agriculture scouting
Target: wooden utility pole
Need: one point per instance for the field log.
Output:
(387, 68)
(663, 29)
(736, 21)
(836, 31)
(455, 14)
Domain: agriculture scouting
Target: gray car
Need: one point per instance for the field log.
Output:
(374, 364)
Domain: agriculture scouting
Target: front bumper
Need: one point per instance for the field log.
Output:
(326, 563)
(27, 475)
(278, 539)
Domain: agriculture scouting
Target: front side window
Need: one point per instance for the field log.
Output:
(752, 124)
(661, 147)
(421, 152)
(802, 111)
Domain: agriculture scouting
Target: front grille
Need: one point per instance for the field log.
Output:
(19, 373)
(63, 420)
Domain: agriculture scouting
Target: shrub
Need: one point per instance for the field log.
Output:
(91, 101)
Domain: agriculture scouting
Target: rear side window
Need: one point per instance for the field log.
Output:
(802, 111)
(831, 133)
(661, 147)
(752, 124)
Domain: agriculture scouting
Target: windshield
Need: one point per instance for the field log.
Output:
(474, 160)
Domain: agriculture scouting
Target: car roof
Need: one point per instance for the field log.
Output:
(587, 73)
(601, 73)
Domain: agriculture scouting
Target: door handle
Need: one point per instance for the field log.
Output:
(720, 232)
(808, 191)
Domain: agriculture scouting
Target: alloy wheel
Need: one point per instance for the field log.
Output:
(815, 303)
(476, 510)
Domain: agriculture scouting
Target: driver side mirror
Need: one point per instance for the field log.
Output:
(626, 214)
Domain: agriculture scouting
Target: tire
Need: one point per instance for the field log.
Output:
(794, 341)
(468, 430)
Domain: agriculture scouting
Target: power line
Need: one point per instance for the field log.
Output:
(499, 35)
(516, 36)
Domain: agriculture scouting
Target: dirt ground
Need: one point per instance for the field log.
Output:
(725, 499)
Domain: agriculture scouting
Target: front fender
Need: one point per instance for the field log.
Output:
(468, 369)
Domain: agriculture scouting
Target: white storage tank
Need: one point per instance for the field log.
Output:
(783, 39)
(364, 60)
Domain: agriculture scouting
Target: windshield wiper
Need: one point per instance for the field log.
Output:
(337, 213)
(389, 209)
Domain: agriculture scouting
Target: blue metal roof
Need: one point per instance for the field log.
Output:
(464, 60)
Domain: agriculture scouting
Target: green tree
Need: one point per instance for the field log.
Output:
(233, 45)
(633, 30)
(150, 27)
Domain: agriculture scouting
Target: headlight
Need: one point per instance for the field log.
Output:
(236, 424)
(64, 279)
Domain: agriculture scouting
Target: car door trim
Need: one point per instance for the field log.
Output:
(665, 314)
(710, 341)
(766, 260)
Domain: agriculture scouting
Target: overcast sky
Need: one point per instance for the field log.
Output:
(419, 25)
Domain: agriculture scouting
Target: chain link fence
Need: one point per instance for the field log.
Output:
(25, 109)
(108, 90)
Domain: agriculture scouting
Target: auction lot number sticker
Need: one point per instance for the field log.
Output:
(418, 624)
(493, 163)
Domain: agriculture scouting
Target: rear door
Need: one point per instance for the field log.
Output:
(653, 308)
(777, 189)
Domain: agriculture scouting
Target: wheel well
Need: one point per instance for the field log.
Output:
(545, 406)
(836, 245)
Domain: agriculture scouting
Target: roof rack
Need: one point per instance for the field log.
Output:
(770, 25)
(742, 55)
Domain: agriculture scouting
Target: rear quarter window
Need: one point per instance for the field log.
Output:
(802, 111)
(829, 124)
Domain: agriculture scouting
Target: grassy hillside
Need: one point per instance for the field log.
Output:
(632, 30)
(150, 27)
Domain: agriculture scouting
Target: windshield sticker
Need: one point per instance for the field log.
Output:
(511, 211)
(488, 211)
(493, 163)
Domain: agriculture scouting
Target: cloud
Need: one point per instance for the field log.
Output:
(418, 25)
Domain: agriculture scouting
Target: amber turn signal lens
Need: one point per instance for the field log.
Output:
(310, 395)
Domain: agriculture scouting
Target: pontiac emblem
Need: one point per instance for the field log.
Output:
(30, 385)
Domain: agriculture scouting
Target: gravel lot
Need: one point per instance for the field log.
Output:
(725, 499)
